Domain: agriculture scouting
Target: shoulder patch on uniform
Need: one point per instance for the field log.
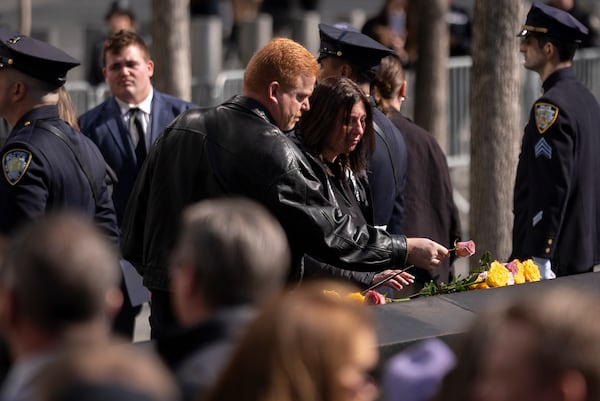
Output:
(14, 164)
(545, 116)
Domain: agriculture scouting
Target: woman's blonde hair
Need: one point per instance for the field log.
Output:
(66, 110)
(295, 348)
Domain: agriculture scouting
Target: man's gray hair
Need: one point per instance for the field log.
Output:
(239, 250)
(60, 269)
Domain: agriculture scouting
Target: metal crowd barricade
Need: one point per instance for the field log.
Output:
(587, 68)
(229, 83)
(85, 96)
(82, 95)
(586, 65)
(101, 93)
(459, 92)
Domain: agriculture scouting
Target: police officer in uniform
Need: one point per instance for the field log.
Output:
(349, 53)
(46, 164)
(557, 189)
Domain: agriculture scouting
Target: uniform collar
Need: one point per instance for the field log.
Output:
(558, 75)
(39, 113)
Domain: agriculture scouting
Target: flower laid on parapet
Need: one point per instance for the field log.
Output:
(371, 297)
(491, 273)
(510, 273)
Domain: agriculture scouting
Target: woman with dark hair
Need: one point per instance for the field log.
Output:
(337, 136)
(341, 142)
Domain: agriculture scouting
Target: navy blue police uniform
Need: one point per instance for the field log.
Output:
(388, 163)
(40, 171)
(557, 187)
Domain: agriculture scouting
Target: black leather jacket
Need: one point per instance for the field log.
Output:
(236, 150)
(312, 267)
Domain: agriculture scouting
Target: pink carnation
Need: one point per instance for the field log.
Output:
(373, 297)
(512, 267)
(465, 249)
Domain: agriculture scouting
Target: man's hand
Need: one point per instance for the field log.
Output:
(425, 253)
(397, 282)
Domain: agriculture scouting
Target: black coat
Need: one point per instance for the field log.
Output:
(387, 173)
(557, 188)
(196, 355)
(429, 209)
(361, 207)
(236, 150)
(105, 126)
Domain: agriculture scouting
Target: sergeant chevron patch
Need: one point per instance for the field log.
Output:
(543, 149)
(537, 218)
(545, 116)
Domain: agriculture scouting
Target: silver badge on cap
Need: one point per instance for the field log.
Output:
(14, 40)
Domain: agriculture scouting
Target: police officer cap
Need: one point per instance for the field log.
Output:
(34, 57)
(351, 46)
(553, 22)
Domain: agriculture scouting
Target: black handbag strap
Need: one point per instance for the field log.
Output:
(67, 141)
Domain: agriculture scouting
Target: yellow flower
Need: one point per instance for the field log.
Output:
(331, 293)
(479, 286)
(497, 275)
(520, 276)
(479, 283)
(356, 296)
(531, 271)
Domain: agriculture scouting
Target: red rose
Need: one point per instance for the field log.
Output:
(373, 297)
(465, 249)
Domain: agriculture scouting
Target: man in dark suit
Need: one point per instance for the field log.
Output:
(127, 124)
(128, 70)
(557, 190)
